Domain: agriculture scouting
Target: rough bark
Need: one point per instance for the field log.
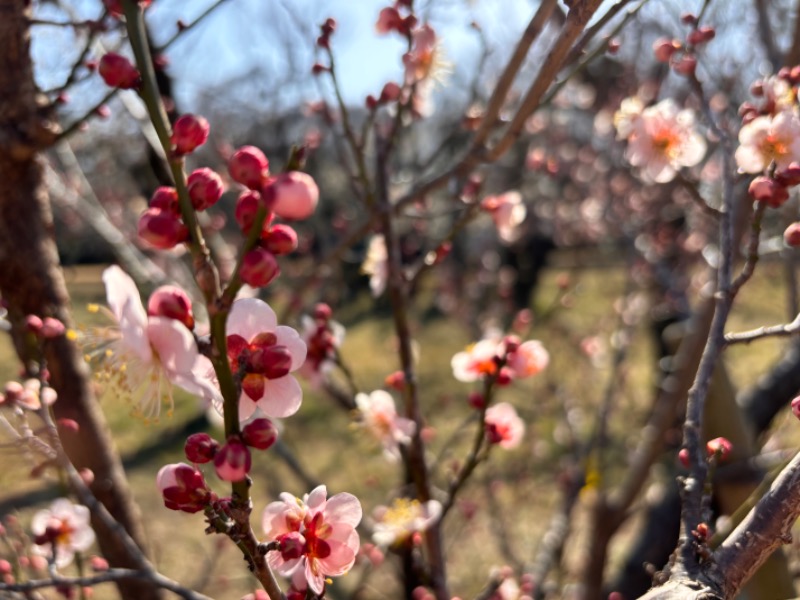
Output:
(31, 282)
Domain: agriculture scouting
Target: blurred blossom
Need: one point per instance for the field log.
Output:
(376, 265)
(379, 416)
(503, 426)
(477, 361)
(508, 212)
(661, 140)
(397, 523)
(766, 139)
(64, 528)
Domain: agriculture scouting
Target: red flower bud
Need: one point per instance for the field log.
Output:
(189, 132)
(292, 196)
(205, 188)
(52, 328)
(476, 400)
(183, 488)
(686, 65)
(792, 235)
(280, 239)
(390, 92)
(396, 380)
(322, 312)
(166, 198)
(247, 205)
(33, 323)
(232, 461)
(683, 457)
(259, 268)
(249, 166)
(200, 448)
(768, 190)
(117, 71)
(664, 49)
(173, 303)
(260, 433)
(790, 176)
(719, 447)
(162, 229)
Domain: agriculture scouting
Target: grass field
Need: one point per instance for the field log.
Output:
(522, 482)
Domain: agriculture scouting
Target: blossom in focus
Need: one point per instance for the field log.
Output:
(266, 353)
(662, 140)
(316, 534)
(146, 356)
(766, 139)
(508, 212)
(528, 359)
(376, 265)
(397, 523)
(63, 528)
(379, 416)
(503, 426)
(477, 361)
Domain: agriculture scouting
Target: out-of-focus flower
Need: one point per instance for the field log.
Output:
(503, 426)
(28, 395)
(146, 356)
(376, 265)
(662, 140)
(316, 535)
(629, 112)
(477, 361)
(424, 60)
(323, 337)
(267, 353)
(64, 528)
(397, 523)
(766, 139)
(508, 212)
(528, 359)
(379, 416)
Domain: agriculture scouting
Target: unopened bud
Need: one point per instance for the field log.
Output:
(162, 229)
(293, 195)
(249, 166)
(189, 132)
(205, 188)
(720, 447)
(200, 448)
(52, 328)
(792, 235)
(118, 72)
(232, 461)
(260, 433)
(259, 268)
(166, 198)
(173, 303)
(664, 49)
(769, 191)
(280, 239)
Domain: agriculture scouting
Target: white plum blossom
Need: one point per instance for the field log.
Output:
(64, 528)
(766, 139)
(379, 416)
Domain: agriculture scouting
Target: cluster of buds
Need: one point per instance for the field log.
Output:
(119, 72)
(161, 225)
(392, 19)
(681, 55)
(292, 196)
(232, 459)
(28, 395)
(326, 30)
(47, 328)
(717, 450)
(774, 190)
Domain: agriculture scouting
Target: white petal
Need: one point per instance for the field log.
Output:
(249, 317)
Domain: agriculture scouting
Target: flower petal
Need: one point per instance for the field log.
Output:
(288, 337)
(249, 317)
(124, 301)
(343, 508)
(282, 397)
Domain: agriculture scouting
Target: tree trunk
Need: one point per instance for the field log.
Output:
(31, 282)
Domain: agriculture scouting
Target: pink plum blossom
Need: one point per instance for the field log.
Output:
(379, 416)
(146, 356)
(397, 523)
(629, 112)
(477, 361)
(503, 426)
(64, 526)
(766, 139)
(316, 535)
(528, 359)
(508, 212)
(268, 352)
(376, 265)
(424, 60)
(662, 140)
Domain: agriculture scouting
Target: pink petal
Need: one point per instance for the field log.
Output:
(343, 508)
(246, 408)
(339, 561)
(316, 580)
(282, 397)
(297, 347)
(316, 499)
(174, 343)
(124, 301)
(249, 317)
